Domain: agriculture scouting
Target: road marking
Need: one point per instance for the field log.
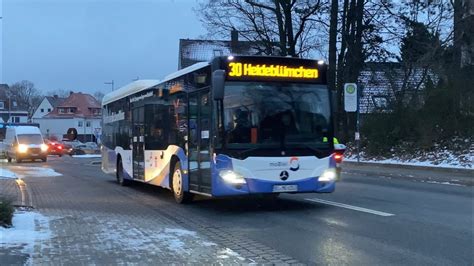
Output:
(351, 207)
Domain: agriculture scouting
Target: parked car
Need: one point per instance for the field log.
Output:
(86, 148)
(55, 147)
(25, 143)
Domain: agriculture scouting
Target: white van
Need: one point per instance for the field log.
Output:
(25, 142)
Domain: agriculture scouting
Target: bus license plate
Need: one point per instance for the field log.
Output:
(285, 188)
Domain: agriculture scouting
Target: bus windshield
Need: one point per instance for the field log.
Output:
(275, 114)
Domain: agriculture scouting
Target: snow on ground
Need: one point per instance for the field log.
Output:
(88, 156)
(441, 158)
(28, 229)
(5, 174)
(17, 171)
(413, 162)
(181, 242)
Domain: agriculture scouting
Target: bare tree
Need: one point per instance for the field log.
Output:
(26, 95)
(283, 27)
(98, 95)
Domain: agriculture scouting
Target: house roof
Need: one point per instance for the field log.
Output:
(194, 51)
(55, 100)
(381, 80)
(83, 102)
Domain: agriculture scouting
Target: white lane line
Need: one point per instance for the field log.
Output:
(355, 208)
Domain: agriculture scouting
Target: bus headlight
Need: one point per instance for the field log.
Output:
(44, 147)
(328, 176)
(22, 148)
(232, 177)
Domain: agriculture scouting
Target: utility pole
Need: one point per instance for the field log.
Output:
(110, 83)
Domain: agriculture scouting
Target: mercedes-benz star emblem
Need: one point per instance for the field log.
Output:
(284, 175)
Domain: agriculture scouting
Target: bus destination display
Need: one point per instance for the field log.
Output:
(250, 69)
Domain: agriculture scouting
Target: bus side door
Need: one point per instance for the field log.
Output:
(138, 142)
(198, 145)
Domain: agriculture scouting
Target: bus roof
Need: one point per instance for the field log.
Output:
(129, 89)
(185, 70)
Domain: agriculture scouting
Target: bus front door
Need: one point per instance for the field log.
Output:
(198, 145)
(138, 143)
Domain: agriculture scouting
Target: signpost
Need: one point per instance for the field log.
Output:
(351, 104)
(350, 97)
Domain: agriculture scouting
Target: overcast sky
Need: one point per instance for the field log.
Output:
(80, 44)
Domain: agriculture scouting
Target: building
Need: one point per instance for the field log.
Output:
(10, 111)
(46, 106)
(383, 83)
(80, 111)
(194, 51)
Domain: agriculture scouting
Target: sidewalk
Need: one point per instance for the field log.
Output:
(353, 161)
(92, 238)
(9, 190)
(450, 176)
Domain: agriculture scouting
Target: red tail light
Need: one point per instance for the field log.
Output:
(60, 147)
(338, 157)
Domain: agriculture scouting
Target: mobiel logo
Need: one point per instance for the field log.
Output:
(249, 70)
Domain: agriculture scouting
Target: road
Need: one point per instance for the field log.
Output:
(369, 220)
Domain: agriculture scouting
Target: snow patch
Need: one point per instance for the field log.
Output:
(6, 174)
(30, 171)
(178, 241)
(28, 229)
(414, 162)
(88, 156)
(443, 183)
(227, 253)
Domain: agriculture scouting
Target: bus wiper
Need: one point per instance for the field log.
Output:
(317, 151)
(241, 153)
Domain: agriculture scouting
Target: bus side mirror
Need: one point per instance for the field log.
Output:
(218, 78)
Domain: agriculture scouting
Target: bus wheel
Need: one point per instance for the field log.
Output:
(177, 185)
(120, 179)
(9, 159)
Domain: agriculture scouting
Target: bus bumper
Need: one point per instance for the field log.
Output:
(255, 186)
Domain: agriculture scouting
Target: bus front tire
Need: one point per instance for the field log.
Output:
(180, 195)
(120, 179)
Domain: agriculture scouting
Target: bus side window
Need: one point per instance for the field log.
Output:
(156, 133)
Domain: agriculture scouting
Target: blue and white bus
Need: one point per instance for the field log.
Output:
(237, 125)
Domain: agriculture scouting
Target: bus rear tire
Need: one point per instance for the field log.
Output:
(177, 188)
(9, 159)
(119, 175)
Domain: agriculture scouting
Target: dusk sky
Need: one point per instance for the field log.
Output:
(80, 44)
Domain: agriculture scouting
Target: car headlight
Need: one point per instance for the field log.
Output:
(22, 148)
(44, 147)
(328, 176)
(232, 177)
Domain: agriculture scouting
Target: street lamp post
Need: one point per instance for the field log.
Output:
(110, 83)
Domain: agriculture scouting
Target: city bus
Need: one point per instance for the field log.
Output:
(233, 126)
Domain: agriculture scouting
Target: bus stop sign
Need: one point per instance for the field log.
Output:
(350, 97)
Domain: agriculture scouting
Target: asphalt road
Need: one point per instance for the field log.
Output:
(368, 220)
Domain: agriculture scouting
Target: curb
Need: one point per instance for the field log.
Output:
(415, 167)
